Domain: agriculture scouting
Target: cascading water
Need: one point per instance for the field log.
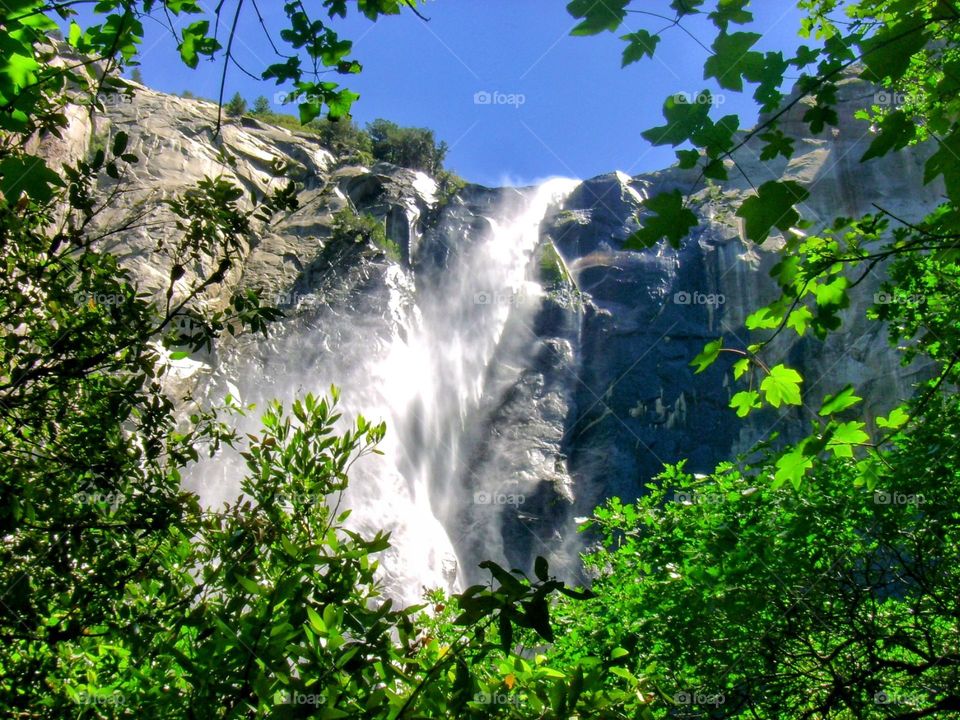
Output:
(418, 358)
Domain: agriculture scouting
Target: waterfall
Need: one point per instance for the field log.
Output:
(418, 357)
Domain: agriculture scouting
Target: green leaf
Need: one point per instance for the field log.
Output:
(179, 355)
(819, 116)
(686, 7)
(708, 356)
(21, 69)
(768, 93)
(833, 293)
(541, 568)
(744, 402)
(805, 56)
(763, 319)
(717, 138)
(340, 104)
(29, 174)
(715, 169)
(897, 130)
(740, 367)
(508, 582)
(688, 159)
(731, 11)
(685, 117)
(249, 585)
(786, 271)
(772, 207)
(887, 53)
(841, 401)
(193, 41)
(733, 60)
(896, 419)
(598, 15)
(641, 43)
(316, 622)
(777, 143)
(782, 386)
(671, 221)
(329, 713)
(846, 436)
(791, 467)
(945, 162)
(799, 320)
(75, 34)
(120, 143)
(309, 111)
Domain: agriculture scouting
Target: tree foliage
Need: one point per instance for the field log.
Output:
(812, 579)
(414, 148)
(236, 107)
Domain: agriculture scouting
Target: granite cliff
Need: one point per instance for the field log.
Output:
(527, 365)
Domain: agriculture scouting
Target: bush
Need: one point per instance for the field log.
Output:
(409, 147)
(448, 185)
(352, 229)
(343, 138)
(350, 144)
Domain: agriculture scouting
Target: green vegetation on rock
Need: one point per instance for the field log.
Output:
(553, 270)
(349, 228)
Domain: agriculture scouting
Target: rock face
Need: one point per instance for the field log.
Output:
(577, 393)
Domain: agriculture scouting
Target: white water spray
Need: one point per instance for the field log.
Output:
(426, 379)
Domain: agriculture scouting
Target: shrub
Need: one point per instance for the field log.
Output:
(409, 147)
(343, 138)
(352, 229)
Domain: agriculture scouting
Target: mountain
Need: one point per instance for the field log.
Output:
(526, 364)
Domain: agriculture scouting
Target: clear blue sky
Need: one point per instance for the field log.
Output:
(581, 113)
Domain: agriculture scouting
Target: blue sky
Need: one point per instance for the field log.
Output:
(559, 105)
